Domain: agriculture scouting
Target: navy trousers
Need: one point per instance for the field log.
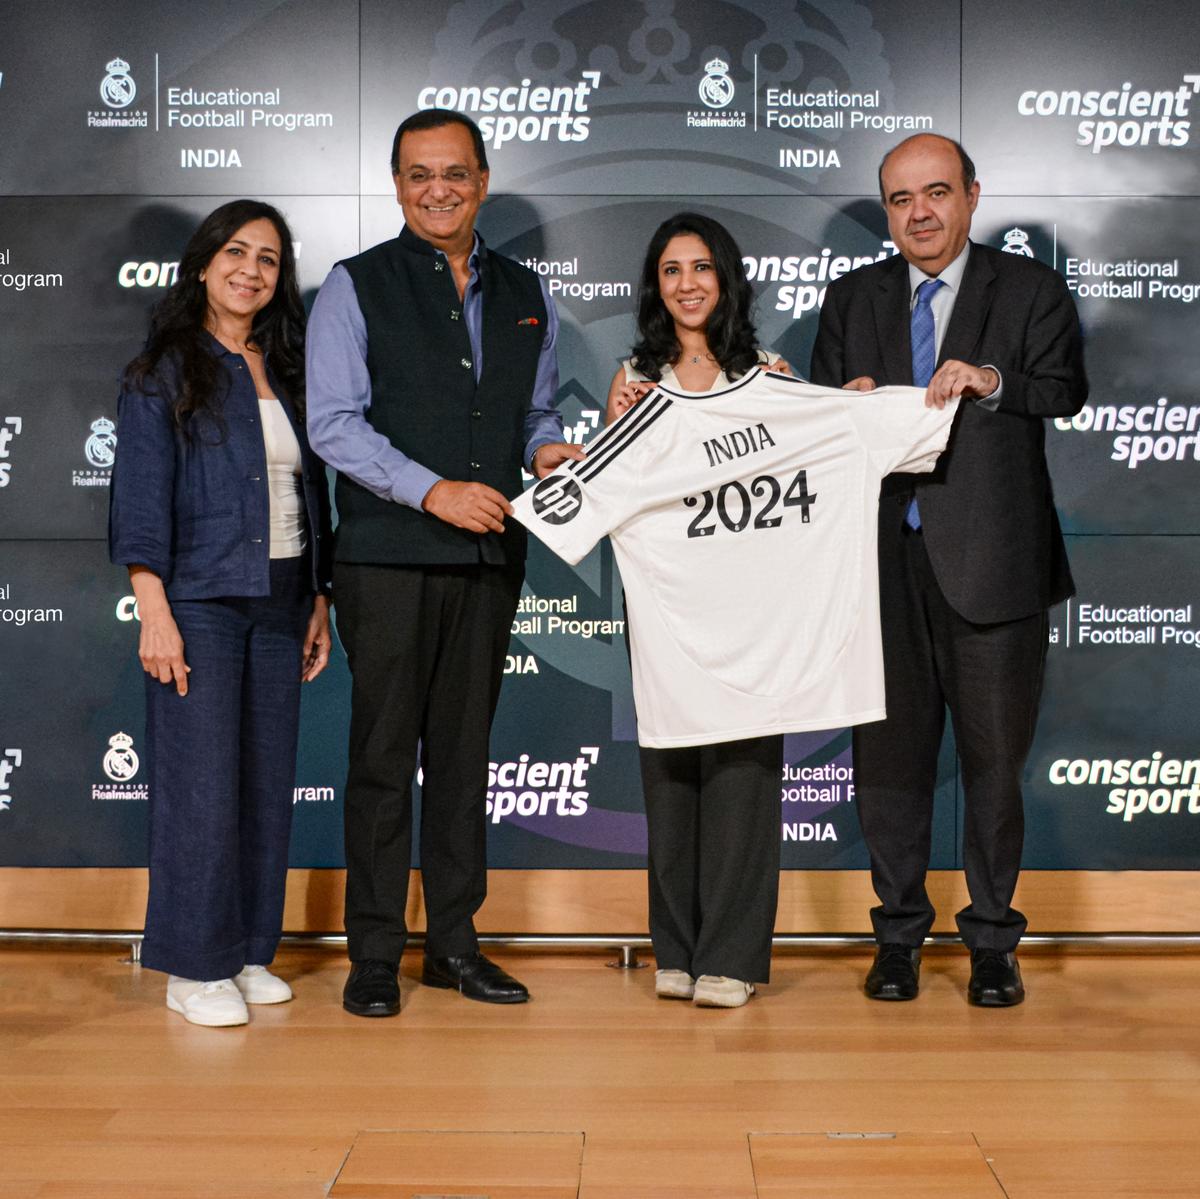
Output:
(222, 765)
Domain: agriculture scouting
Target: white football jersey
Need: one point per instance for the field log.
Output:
(744, 525)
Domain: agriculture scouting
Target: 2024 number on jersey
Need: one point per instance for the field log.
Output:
(734, 504)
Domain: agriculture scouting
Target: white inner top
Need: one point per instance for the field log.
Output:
(288, 525)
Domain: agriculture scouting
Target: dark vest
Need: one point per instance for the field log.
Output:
(425, 401)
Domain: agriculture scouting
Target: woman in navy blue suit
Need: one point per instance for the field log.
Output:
(220, 511)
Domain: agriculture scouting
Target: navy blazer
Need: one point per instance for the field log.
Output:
(196, 510)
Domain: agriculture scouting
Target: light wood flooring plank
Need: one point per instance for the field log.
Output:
(1090, 1088)
(903, 1166)
(404, 1164)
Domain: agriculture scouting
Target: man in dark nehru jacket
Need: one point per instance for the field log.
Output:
(431, 378)
(970, 556)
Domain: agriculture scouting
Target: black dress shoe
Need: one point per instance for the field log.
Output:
(475, 977)
(372, 989)
(895, 974)
(995, 979)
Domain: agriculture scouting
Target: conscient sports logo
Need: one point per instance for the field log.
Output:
(804, 277)
(521, 112)
(1161, 786)
(10, 759)
(1123, 116)
(10, 428)
(528, 788)
(1158, 432)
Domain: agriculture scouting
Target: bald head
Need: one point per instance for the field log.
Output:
(964, 159)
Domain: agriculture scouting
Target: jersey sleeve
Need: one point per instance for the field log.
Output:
(571, 509)
(900, 433)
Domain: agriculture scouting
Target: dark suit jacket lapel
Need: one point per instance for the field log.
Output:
(892, 322)
(970, 310)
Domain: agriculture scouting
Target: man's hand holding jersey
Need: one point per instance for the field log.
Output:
(479, 508)
(951, 381)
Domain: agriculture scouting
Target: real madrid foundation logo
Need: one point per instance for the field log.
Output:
(1016, 241)
(101, 447)
(117, 88)
(716, 88)
(120, 763)
(557, 499)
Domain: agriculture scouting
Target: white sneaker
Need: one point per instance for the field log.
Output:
(258, 985)
(715, 990)
(673, 984)
(217, 1004)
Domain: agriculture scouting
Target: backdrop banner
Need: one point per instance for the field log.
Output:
(602, 119)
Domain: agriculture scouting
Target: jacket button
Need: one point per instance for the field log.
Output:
(477, 414)
(439, 265)
(466, 362)
(454, 314)
(256, 478)
(256, 540)
(476, 466)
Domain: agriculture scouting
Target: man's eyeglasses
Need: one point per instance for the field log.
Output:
(454, 177)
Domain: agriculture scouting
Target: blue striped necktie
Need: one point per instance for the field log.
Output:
(924, 356)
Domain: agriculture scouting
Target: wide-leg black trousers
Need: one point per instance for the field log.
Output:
(713, 815)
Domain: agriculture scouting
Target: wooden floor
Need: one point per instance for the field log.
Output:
(596, 1089)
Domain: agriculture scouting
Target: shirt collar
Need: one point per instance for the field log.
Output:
(218, 349)
(475, 260)
(952, 276)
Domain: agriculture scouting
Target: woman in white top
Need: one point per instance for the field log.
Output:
(712, 811)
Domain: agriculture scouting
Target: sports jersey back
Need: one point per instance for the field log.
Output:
(744, 522)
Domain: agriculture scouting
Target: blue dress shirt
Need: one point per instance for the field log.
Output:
(339, 390)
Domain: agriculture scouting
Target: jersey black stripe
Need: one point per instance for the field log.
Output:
(618, 433)
(613, 440)
(592, 468)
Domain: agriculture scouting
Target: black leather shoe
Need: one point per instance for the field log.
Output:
(895, 974)
(372, 989)
(995, 979)
(475, 977)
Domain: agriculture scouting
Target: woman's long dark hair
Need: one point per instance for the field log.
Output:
(178, 325)
(730, 332)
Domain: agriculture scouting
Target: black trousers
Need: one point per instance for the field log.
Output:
(990, 678)
(426, 648)
(712, 814)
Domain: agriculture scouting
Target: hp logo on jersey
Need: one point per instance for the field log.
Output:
(557, 499)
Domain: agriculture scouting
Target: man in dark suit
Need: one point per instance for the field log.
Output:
(970, 556)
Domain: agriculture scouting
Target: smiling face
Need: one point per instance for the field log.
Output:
(241, 277)
(687, 282)
(441, 211)
(928, 208)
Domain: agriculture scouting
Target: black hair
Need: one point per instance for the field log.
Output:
(731, 338)
(964, 159)
(436, 118)
(179, 323)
